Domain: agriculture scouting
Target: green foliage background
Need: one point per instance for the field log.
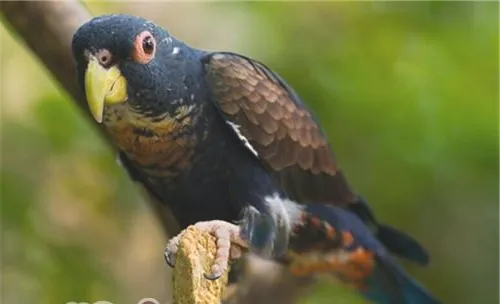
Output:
(406, 91)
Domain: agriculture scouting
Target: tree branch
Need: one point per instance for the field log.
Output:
(261, 281)
(47, 28)
(195, 256)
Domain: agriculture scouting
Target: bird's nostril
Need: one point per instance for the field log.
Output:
(103, 59)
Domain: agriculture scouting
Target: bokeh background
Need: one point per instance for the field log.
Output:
(407, 93)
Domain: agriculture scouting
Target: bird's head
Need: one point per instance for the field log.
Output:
(127, 59)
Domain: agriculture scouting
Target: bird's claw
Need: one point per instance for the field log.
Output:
(170, 259)
(171, 249)
(229, 246)
(213, 276)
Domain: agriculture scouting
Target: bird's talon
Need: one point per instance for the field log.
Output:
(170, 259)
(171, 250)
(229, 246)
(212, 276)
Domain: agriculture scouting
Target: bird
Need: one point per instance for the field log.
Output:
(225, 144)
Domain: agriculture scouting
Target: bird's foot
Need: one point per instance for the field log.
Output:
(230, 245)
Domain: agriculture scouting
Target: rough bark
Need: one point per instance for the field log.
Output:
(195, 257)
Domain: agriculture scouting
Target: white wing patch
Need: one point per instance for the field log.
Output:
(119, 160)
(245, 141)
(283, 210)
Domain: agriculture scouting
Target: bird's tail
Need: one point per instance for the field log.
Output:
(335, 242)
(397, 241)
(391, 284)
(402, 244)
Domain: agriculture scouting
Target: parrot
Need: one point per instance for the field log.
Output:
(225, 144)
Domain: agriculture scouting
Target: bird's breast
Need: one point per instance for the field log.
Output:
(161, 145)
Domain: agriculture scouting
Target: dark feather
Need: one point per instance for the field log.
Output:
(391, 284)
(398, 242)
(161, 209)
(367, 266)
(284, 132)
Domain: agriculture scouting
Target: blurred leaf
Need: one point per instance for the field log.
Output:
(59, 121)
(324, 292)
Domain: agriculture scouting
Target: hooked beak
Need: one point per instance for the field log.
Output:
(103, 86)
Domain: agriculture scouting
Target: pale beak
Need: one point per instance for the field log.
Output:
(103, 86)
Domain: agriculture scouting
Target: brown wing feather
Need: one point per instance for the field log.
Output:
(280, 128)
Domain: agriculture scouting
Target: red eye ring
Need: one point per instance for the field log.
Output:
(144, 47)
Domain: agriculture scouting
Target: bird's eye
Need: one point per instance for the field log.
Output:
(148, 45)
(144, 47)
